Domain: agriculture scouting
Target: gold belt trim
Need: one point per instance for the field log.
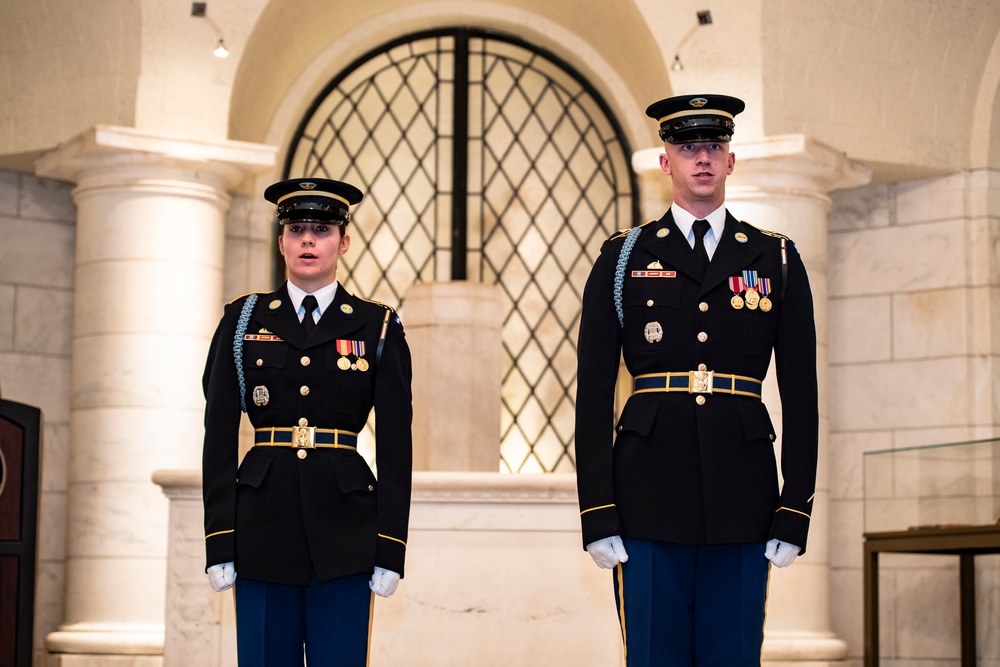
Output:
(305, 437)
(697, 382)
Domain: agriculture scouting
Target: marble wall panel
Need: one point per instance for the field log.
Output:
(930, 324)
(899, 259)
(45, 199)
(902, 395)
(847, 607)
(930, 200)
(41, 381)
(847, 473)
(984, 190)
(55, 456)
(7, 314)
(9, 184)
(50, 585)
(926, 603)
(861, 208)
(860, 329)
(847, 523)
(36, 253)
(43, 321)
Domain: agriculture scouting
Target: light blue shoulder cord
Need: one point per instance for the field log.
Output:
(241, 329)
(630, 240)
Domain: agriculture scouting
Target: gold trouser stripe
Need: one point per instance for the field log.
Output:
(220, 532)
(621, 610)
(371, 619)
(394, 539)
(592, 509)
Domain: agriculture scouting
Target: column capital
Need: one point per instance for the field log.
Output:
(784, 163)
(108, 151)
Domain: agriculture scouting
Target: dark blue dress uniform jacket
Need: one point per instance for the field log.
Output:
(282, 518)
(678, 471)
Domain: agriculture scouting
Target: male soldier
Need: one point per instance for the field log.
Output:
(303, 521)
(685, 505)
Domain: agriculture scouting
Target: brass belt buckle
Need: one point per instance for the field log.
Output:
(303, 435)
(701, 382)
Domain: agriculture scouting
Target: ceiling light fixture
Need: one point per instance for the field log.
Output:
(704, 18)
(200, 10)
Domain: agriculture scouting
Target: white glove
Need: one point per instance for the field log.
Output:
(383, 582)
(608, 552)
(781, 553)
(222, 576)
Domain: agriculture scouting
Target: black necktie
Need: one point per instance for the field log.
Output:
(308, 323)
(701, 227)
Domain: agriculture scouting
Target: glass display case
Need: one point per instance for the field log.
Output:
(940, 500)
(936, 486)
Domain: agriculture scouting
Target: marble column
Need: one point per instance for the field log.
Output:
(148, 294)
(781, 184)
(453, 331)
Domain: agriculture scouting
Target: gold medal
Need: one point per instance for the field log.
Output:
(752, 299)
(653, 332)
(362, 365)
(765, 304)
(736, 301)
(344, 363)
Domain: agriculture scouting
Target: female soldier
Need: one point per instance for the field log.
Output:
(303, 520)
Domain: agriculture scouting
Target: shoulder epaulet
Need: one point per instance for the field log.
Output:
(378, 303)
(624, 232)
(776, 235)
(243, 296)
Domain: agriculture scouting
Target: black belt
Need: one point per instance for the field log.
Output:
(305, 437)
(698, 382)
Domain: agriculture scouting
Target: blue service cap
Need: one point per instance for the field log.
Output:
(689, 119)
(313, 200)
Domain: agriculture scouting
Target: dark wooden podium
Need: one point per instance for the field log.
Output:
(964, 542)
(20, 433)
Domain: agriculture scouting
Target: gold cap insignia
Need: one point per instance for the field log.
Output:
(698, 102)
(307, 185)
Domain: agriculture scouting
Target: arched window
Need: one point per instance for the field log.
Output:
(482, 158)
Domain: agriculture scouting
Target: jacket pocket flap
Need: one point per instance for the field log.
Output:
(353, 474)
(638, 415)
(254, 469)
(756, 420)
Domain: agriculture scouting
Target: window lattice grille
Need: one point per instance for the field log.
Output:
(481, 158)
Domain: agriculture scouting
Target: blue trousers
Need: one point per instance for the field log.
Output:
(329, 623)
(687, 606)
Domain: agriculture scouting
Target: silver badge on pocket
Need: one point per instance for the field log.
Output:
(260, 396)
(653, 332)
